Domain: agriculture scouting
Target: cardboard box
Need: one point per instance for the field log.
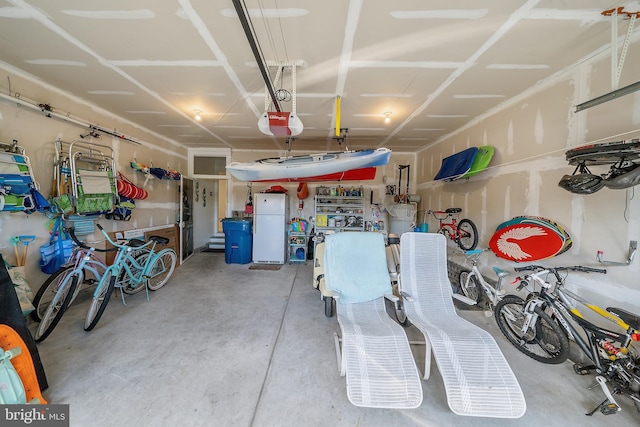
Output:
(169, 231)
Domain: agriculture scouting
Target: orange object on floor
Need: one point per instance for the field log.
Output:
(22, 363)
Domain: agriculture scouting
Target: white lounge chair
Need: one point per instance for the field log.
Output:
(375, 354)
(476, 376)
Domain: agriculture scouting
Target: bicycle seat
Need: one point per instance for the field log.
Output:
(159, 239)
(134, 243)
(453, 210)
(500, 272)
(628, 318)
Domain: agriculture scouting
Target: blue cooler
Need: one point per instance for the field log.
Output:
(237, 240)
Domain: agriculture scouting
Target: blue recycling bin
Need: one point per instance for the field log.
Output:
(237, 240)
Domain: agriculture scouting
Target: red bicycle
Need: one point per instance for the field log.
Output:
(463, 232)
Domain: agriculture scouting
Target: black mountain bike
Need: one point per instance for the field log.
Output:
(542, 325)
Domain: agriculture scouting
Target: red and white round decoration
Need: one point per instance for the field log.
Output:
(526, 242)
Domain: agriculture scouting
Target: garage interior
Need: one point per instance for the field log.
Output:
(184, 85)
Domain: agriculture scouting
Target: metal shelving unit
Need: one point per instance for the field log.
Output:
(339, 213)
(297, 246)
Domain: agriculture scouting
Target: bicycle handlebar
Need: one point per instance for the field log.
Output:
(529, 267)
(579, 268)
(118, 245)
(436, 213)
(71, 232)
(583, 269)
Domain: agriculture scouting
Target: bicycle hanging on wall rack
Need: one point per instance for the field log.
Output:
(542, 325)
(463, 232)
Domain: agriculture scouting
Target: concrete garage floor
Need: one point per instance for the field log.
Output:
(222, 345)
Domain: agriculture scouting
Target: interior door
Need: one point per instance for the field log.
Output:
(205, 212)
(186, 218)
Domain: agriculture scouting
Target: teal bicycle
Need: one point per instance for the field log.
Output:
(60, 289)
(136, 264)
(83, 270)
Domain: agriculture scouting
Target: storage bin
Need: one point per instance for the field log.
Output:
(237, 240)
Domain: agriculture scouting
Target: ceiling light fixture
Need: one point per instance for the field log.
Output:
(387, 117)
(198, 114)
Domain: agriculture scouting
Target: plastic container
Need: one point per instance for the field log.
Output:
(238, 240)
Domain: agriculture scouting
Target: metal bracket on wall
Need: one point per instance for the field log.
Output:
(617, 59)
(633, 247)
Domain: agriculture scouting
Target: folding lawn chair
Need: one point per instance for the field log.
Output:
(84, 178)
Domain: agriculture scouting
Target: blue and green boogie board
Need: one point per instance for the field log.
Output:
(481, 161)
(456, 165)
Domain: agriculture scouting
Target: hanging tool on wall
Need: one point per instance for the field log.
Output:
(248, 206)
(403, 198)
(25, 240)
(302, 192)
(21, 259)
(15, 240)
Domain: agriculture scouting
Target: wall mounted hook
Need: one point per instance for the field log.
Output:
(633, 248)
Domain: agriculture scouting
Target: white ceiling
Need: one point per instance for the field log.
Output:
(434, 65)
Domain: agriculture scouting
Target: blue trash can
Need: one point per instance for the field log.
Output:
(237, 240)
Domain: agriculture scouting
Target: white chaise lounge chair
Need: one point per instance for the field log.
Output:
(375, 354)
(477, 378)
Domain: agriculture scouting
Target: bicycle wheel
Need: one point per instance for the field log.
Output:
(467, 235)
(57, 307)
(100, 299)
(161, 269)
(544, 341)
(124, 279)
(469, 286)
(48, 291)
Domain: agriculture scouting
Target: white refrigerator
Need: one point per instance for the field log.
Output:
(270, 215)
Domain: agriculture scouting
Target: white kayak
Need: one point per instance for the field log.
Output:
(308, 165)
